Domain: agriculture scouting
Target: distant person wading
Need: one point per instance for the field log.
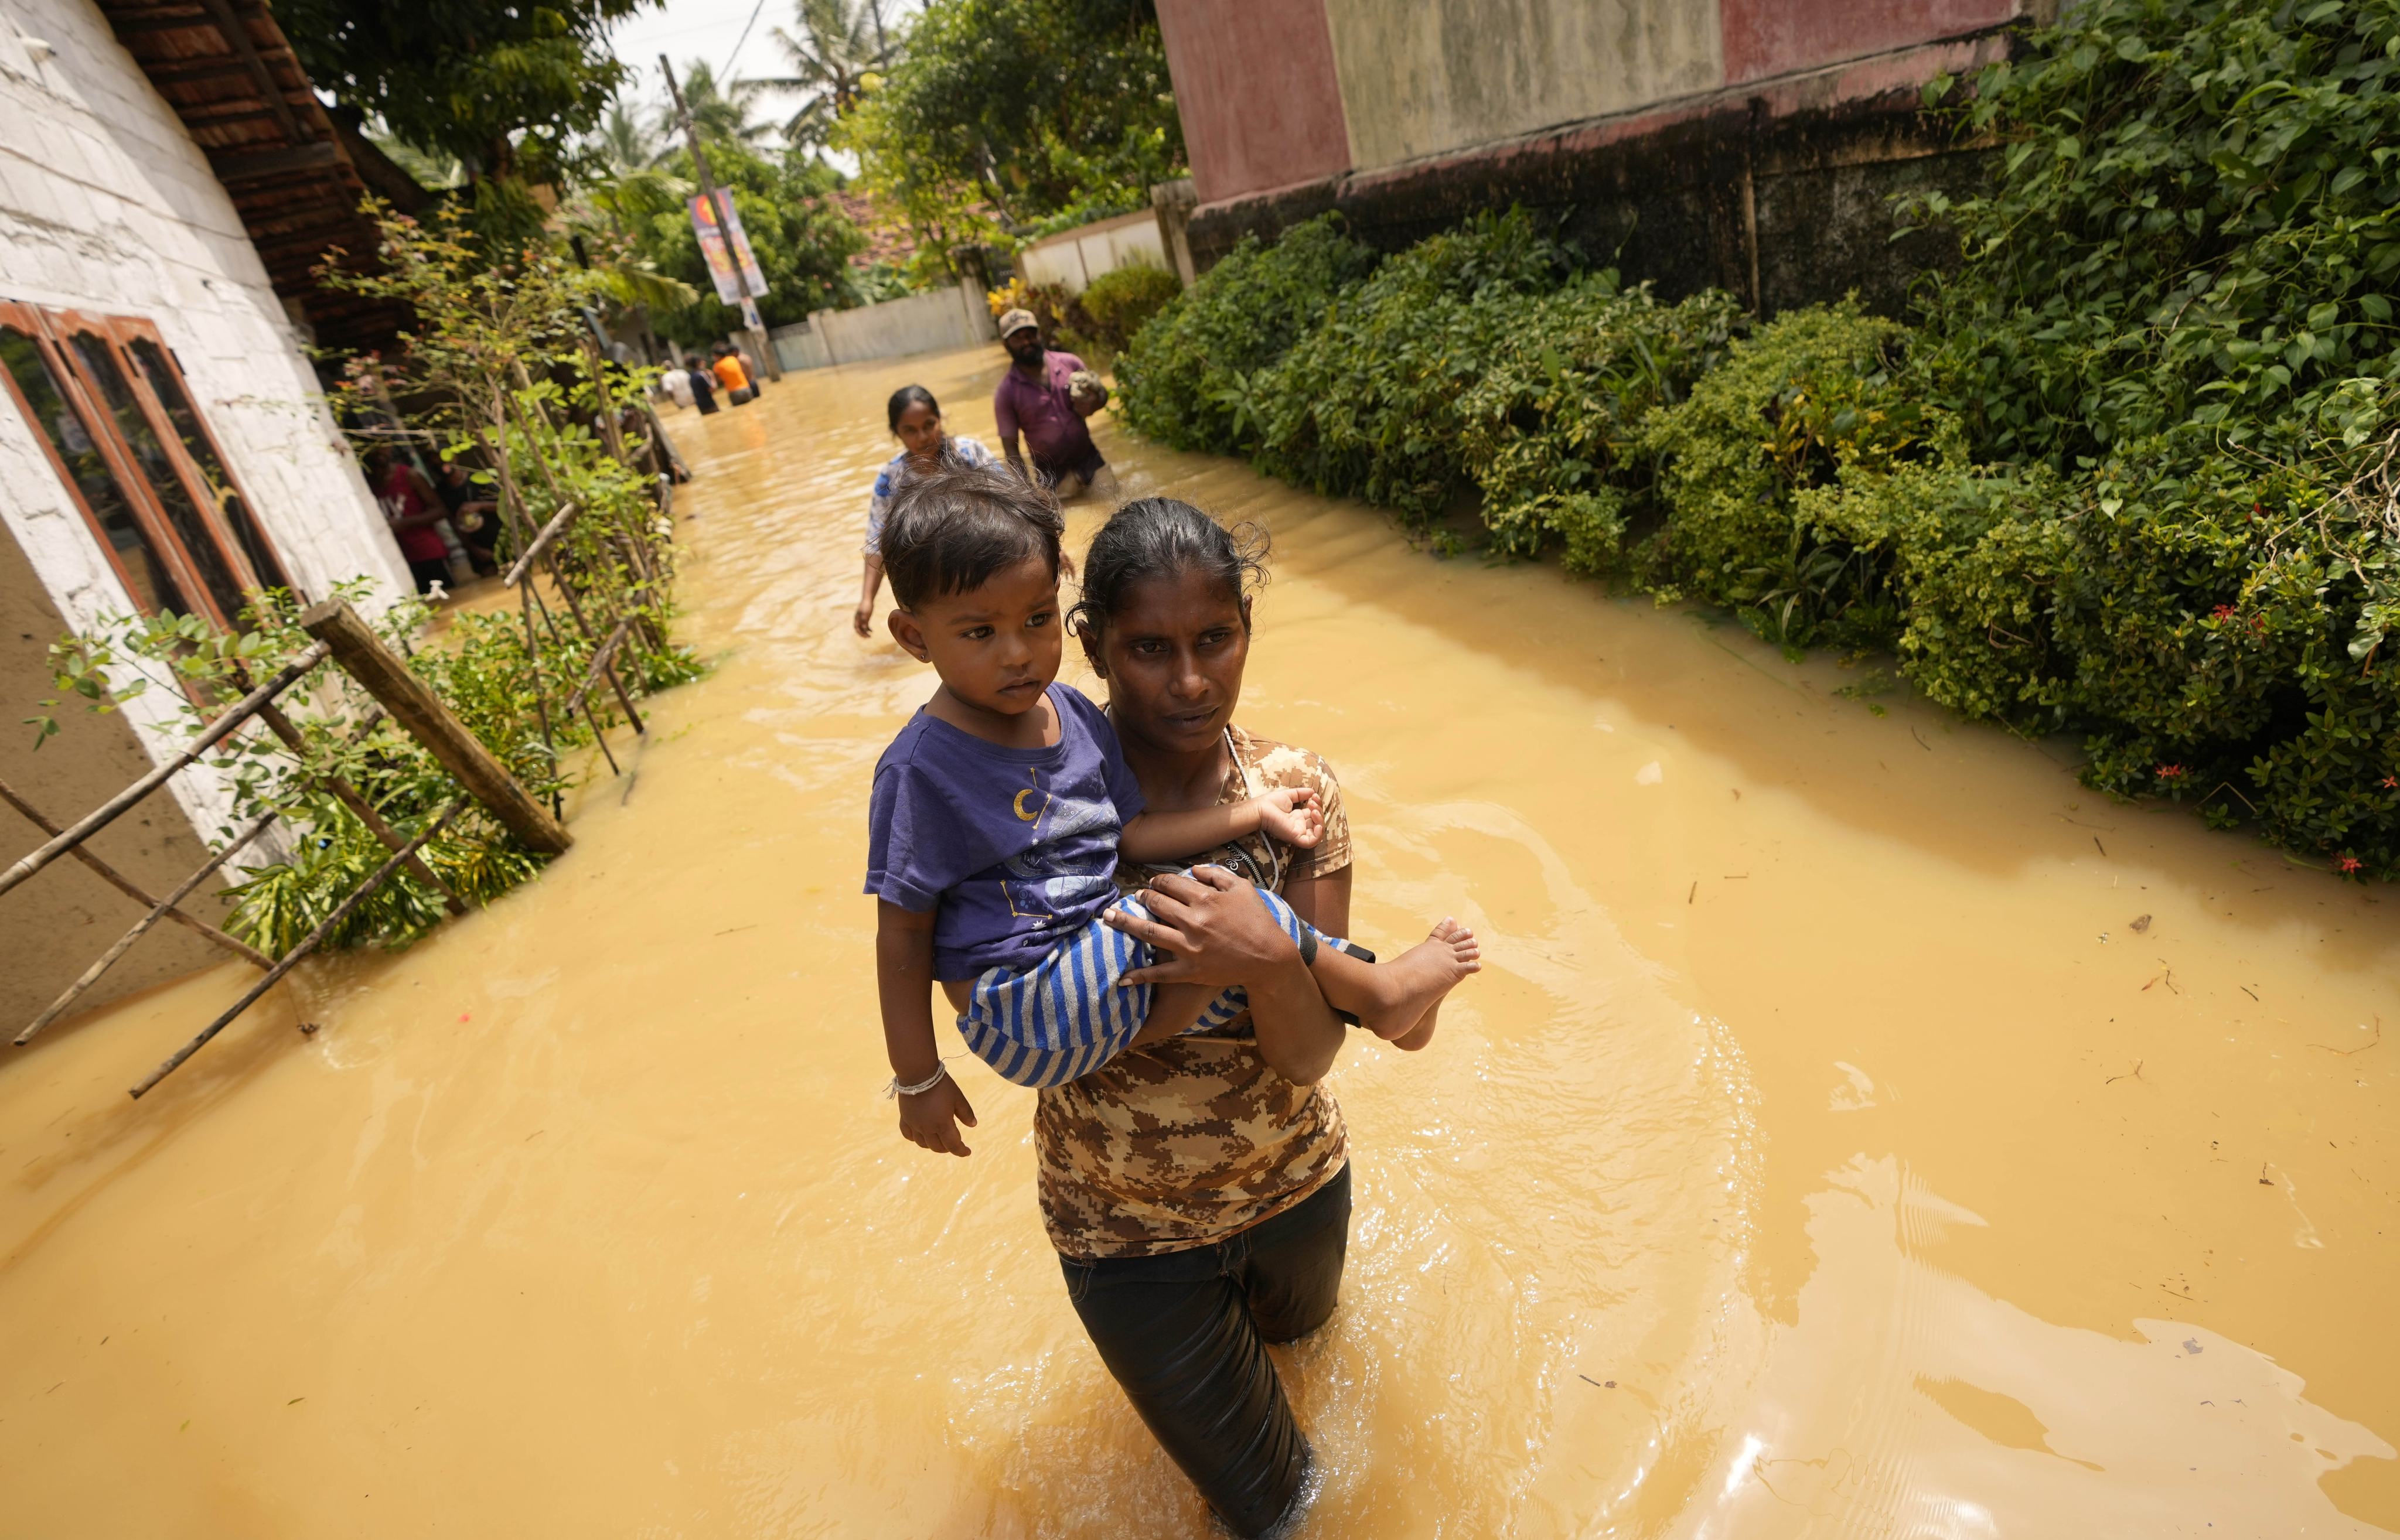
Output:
(1039, 399)
(740, 389)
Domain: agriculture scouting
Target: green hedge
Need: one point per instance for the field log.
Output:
(1122, 302)
(2128, 474)
(1186, 379)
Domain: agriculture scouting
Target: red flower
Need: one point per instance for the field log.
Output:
(2170, 772)
(2392, 783)
(2222, 612)
(2346, 863)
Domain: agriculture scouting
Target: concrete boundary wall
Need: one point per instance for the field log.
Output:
(1753, 145)
(1076, 257)
(1778, 192)
(930, 322)
(798, 347)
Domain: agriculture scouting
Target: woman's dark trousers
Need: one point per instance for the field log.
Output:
(1186, 1336)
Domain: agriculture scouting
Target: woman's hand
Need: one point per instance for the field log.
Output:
(1290, 814)
(932, 1118)
(1214, 924)
(1221, 933)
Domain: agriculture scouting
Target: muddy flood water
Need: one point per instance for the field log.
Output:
(1858, 1128)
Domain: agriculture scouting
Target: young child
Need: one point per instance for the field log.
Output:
(997, 821)
(915, 420)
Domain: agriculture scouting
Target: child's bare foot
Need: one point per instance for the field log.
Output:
(1422, 1033)
(1411, 988)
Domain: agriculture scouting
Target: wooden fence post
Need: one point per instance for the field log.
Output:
(417, 708)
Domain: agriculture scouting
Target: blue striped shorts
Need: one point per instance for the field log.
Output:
(1065, 1016)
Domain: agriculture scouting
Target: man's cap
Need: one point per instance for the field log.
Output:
(1016, 321)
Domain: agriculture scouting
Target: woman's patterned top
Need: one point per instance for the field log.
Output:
(1184, 1141)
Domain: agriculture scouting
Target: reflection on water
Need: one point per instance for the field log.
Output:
(1821, 1152)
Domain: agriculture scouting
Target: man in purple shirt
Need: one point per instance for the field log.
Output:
(1034, 399)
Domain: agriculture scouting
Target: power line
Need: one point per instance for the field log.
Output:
(728, 71)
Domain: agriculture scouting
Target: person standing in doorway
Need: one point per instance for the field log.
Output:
(411, 511)
(474, 514)
(1036, 401)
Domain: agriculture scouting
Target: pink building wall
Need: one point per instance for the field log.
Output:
(1258, 82)
(1770, 37)
(1255, 82)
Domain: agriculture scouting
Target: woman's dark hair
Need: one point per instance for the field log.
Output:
(950, 532)
(1154, 538)
(907, 397)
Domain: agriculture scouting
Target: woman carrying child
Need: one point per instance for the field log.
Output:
(1193, 1177)
(915, 420)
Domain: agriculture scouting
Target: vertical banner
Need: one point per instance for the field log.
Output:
(732, 268)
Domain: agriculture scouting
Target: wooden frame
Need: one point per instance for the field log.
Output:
(53, 332)
(129, 330)
(100, 428)
(110, 333)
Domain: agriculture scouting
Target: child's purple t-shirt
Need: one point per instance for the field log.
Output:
(1016, 848)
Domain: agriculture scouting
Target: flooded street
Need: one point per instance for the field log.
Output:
(1858, 1128)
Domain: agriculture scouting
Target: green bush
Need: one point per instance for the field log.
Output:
(1550, 427)
(1813, 398)
(1367, 404)
(1120, 302)
(1186, 378)
(478, 668)
(2175, 300)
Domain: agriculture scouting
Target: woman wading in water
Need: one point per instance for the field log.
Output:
(1197, 1188)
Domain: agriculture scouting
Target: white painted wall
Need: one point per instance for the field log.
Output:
(106, 205)
(933, 322)
(799, 347)
(1076, 257)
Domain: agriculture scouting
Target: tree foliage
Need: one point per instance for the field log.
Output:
(721, 110)
(801, 236)
(1002, 113)
(502, 87)
(835, 53)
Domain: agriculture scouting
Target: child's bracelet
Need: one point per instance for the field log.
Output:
(893, 1088)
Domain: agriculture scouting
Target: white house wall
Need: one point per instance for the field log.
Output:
(107, 206)
(1076, 257)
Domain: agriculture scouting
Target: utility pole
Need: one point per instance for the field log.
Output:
(723, 203)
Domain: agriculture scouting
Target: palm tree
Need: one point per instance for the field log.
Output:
(609, 213)
(840, 42)
(723, 112)
(629, 140)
